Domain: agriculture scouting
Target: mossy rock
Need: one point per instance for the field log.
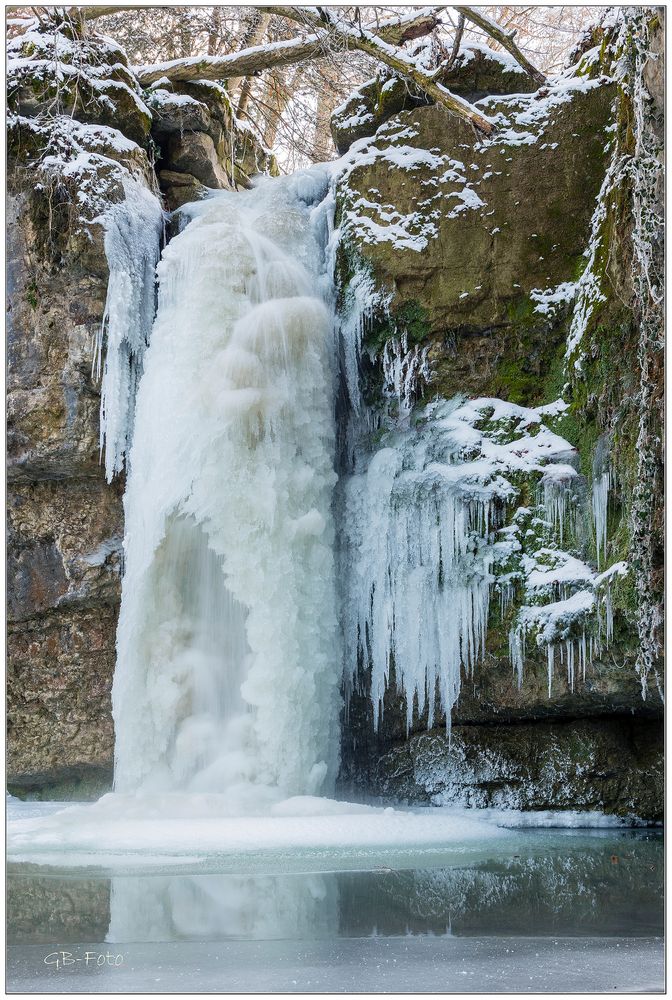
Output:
(474, 74)
(90, 95)
(486, 225)
(213, 96)
(371, 105)
(478, 72)
(115, 104)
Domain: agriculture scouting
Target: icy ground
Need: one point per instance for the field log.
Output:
(121, 831)
(402, 964)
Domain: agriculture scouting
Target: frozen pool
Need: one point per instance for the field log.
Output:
(531, 910)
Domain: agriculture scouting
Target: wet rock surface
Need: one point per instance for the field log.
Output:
(614, 765)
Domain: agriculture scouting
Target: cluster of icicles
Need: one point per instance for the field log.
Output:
(415, 583)
(418, 564)
(574, 653)
(556, 624)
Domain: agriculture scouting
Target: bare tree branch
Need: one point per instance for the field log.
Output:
(505, 39)
(247, 62)
(251, 61)
(457, 41)
(364, 40)
(91, 13)
(397, 30)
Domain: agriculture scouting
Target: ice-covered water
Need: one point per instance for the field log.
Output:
(228, 664)
(193, 829)
(538, 910)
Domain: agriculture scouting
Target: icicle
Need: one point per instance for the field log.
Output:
(609, 613)
(600, 500)
(506, 595)
(550, 651)
(363, 301)
(517, 653)
(569, 646)
(133, 231)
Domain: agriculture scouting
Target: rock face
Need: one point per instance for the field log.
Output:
(613, 764)
(75, 143)
(506, 211)
(503, 270)
(65, 522)
(201, 143)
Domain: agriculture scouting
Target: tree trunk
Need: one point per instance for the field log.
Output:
(276, 100)
(253, 36)
(323, 145)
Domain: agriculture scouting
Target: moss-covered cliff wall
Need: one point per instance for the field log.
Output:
(513, 269)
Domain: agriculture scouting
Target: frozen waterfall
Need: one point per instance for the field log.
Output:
(228, 661)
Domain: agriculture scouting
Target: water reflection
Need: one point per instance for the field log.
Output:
(590, 885)
(220, 907)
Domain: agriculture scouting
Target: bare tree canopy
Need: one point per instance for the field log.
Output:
(286, 68)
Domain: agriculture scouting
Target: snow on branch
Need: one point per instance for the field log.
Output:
(246, 62)
(252, 60)
(505, 39)
(331, 30)
(381, 41)
(359, 37)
